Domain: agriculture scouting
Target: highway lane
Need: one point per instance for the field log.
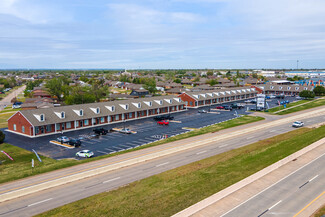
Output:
(288, 196)
(48, 199)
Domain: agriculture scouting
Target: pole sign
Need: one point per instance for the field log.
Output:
(40, 160)
(260, 101)
(32, 163)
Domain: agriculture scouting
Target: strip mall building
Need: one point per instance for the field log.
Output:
(40, 122)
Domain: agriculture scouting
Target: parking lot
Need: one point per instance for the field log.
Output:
(147, 131)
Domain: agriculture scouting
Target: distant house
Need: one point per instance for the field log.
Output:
(139, 93)
(175, 91)
(39, 93)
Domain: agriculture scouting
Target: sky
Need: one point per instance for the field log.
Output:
(162, 34)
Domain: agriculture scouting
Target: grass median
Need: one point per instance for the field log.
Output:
(172, 191)
(21, 166)
(298, 106)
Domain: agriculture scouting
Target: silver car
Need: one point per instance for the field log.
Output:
(298, 124)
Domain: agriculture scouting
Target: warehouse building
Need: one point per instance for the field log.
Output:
(39, 122)
(198, 99)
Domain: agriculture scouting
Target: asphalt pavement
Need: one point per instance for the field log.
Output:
(147, 131)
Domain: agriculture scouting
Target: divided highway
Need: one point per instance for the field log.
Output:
(209, 145)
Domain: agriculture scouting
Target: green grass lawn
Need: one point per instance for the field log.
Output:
(4, 117)
(281, 107)
(10, 109)
(21, 167)
(312, 104)
(172, 191)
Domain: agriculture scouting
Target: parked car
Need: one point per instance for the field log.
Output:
(253, 101)
(256, 109)
(299, 98)
(298, 124)
(64, 139)
(74, 142)
(163, 117)
(202, 111)
(100, 131)
(164, 122)
(85, 153)
(281, 96)
(237, 106)
(126, 131)
(285, 102)
(219, 107)
(227, 107)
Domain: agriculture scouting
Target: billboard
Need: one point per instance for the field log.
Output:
(260, 100)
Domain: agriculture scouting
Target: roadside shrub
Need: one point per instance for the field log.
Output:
(2, 137)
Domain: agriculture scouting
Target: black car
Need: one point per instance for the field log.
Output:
(163, 117)
(227, 107)
(100, 131)
(74, 142)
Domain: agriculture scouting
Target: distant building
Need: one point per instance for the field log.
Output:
(139, 93)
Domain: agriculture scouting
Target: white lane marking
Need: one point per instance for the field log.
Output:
(221, 146)
(275, 204)
(33, 204)
(250, 137)
(111, 180)
(271, 131)
(271, 186)
(313, 178)
(159, 165)
(201, 152)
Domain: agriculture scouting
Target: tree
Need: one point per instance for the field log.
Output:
(177, 80)
(150, 85)
(209, 73)
(307, 94)
(319, 91)
(58, 87)
(169, 76)
(212, 82)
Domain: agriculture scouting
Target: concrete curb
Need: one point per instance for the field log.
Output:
(235, 187)
(32, 188)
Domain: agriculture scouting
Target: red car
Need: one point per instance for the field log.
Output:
(220, 107)
(163, 122)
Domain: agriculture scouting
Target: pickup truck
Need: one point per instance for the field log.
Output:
(237, 106)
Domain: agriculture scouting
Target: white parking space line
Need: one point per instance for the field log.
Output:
(313, 178)
(201, 152)
(103, 152)
(159, 165)
(107, 149)
(137, 142)
(275, 205)
(33, 204)
(111, 180)
(124, 146)
(87, 142)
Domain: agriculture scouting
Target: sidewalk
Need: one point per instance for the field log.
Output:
(7, 100)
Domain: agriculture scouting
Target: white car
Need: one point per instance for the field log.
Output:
(298, 124)
(63, 139)
(85, 153)
(126, 130)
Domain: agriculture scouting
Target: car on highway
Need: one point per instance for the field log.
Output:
(100, 131)
(63, 139)
(85, 153)
(219, 107)
(125, 130)
(298, 124)
(163, 122)
(202, 111)
(74, 142)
